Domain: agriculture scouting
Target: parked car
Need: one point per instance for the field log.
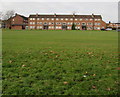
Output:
(108, 29)
(102, 29)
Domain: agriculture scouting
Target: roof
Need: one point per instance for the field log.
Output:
(65, 16)
(24, 17)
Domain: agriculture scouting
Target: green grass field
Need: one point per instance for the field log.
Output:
(40, 62)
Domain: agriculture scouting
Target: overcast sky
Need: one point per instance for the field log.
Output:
(108, 10)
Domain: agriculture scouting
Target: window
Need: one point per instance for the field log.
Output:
(59, 27)
(30, 22)
(91, 19)
(13, 19)
(80, 19)
(90, 28)
(37, 27)
(47, 18)
(64, 23)
(40, 27)
(98, 28)
(83, 24)
(37, 22)
(33, 22)
(38, 18)
(57, 19)
(57, 23)
(42, 18)
(89, 23)
(78, 23)
(68, 23)
(66, 19)
(96, 19)
(52, 18)
(30, 18)
(61, 18)
(52, 23)
(76, 27)
(71, 19)
(30, 27)
(97, 23)
(76, 19)
(49, 26)
(86, 19)
(49, 23)
(40, 22)
(33, 18)
(68, 27)
(45, 23)
(56, 27)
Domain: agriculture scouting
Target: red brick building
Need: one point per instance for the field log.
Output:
(17, 22)
(65, 22)
(113, 25)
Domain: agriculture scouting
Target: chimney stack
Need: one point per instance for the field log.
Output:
(36, 14)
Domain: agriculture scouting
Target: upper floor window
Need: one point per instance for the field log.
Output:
(47, 18)
(91, 19)
(52, 19)
(96, 19)
(61, 18)
(89, 23)
(66, 19)
(76, 19)
(42, 18)
(30, 18)
(97, 23)
(33, 18)
(71, 19)
(40, 22)
(57, 19)
(13, 19)
(80, 19)
(38, 18)
(45, 23)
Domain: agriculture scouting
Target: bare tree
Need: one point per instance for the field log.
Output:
(8, 14)
(1, 15)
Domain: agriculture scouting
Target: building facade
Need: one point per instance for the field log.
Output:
(65, 22)
(113, 25)
(17, 22)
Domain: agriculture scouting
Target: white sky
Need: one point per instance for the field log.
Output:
(107, 8)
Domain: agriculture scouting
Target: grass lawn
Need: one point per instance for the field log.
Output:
(40, 62)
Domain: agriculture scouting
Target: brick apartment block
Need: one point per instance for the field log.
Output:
(64, 22)
(113, 25)
(17, 22)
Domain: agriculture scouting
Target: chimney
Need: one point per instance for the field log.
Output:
(54, 14)
(16, 14)
(36, 14)
(92, 15)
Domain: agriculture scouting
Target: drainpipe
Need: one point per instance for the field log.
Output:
(36, 20)
(54, 21)
(93, 20)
